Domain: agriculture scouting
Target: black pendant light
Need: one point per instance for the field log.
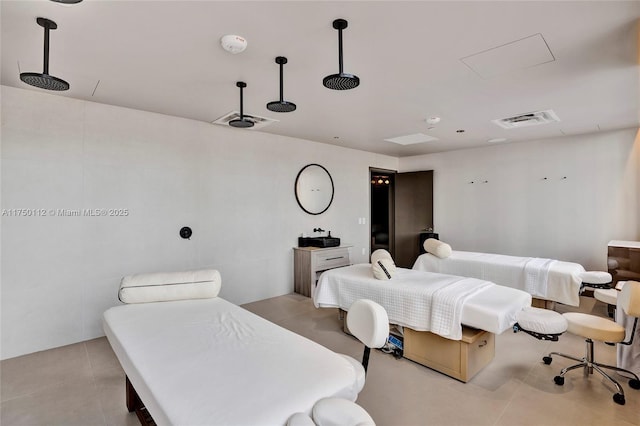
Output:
(44, 80)
(241, 122)
(342, 80)
(281, 105)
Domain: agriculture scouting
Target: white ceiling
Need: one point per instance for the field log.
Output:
(165, 57)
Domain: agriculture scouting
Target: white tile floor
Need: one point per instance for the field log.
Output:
(83, 384)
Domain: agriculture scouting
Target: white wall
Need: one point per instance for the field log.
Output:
(518, 212)
(233, 187)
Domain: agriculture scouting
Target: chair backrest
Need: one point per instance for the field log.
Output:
(629, 298)
(369, 322)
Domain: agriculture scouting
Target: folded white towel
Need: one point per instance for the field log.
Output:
(166, 286)
(437, 248)
(447, 303)
(536, 276)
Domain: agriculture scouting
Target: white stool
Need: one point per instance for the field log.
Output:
(592, 328)
(542, 324)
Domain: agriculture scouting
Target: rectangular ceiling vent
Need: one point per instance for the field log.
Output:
(528, 119)
(259, 122)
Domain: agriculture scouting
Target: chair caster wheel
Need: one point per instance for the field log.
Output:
(547, 360)
(635, 384)
(618, 398)
(559, 380)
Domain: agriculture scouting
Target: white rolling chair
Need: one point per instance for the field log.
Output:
(592, 328)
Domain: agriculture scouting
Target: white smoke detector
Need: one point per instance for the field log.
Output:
(433, 120)
(233, 43)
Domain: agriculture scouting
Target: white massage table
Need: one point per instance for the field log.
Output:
(207, 361)
(407, 297)
(546, 279)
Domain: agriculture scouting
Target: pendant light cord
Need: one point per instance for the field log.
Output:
(46, 50)
(340, 50)
(281, 83)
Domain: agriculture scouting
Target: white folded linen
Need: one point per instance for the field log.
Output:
(411, 298)
(167, 286)
(207, 361)
(564, 278)
(446, 306)
(536, 276)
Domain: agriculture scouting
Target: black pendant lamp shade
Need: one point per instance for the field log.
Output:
(281, 105)
(44, 80)
(342, 80)
(241, 122)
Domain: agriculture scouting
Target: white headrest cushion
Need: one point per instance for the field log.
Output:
(340, 412)
(384, 269)
(542, 321)
(629, 298)
(369, 322)
(300, 419)
(437, 248)
(167, 286)
(380, 254)
(595, 277)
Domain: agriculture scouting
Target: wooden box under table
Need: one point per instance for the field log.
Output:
(460, 359)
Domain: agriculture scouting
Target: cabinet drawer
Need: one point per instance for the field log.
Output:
(328, 259)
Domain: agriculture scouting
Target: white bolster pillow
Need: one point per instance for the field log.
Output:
(384, 269)
(167, 286)
(437, 248)
(379, 254)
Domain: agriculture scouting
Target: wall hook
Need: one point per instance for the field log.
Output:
(544, 178)
(472, 182)
(563, 177)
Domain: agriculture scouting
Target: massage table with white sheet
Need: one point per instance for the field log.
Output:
(545, 279)
(428, 302)
(208, 361)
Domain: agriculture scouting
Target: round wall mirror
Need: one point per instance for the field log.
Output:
(314, 189)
